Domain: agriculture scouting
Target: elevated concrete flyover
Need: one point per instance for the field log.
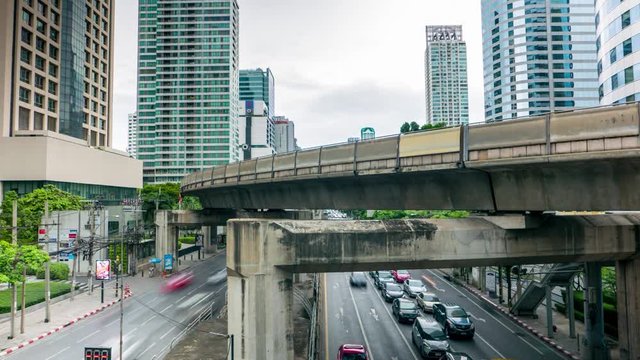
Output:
(579, 160)
(262, 255)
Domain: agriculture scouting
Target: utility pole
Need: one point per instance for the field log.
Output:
(24, 284)
(58, 239)
(92, 225)
(75, 256)
(14, 223)
(47, 291)
(14, 290)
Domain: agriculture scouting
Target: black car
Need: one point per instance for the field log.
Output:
(428, 337)
(454, 320)
(404, 310)
(391, 291)
(358, 279)
(383, 277)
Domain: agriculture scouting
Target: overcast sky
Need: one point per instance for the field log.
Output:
(339, 65)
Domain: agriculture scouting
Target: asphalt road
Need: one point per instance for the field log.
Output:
(151, 320)
(359, 315)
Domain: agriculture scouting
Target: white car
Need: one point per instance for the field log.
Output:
(426, 300)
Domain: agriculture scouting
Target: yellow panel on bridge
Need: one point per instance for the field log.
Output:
(430, 142)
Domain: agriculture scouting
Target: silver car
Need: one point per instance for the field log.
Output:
(426, 300)
(412, 287)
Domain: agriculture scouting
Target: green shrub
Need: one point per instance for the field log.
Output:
(610, 312)
(190, 239)
(34, 294)
(58, 271)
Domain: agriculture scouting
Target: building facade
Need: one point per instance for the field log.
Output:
(256, 130)
(539, 56)
(132, 135)
(445, 67)
(55, 99)
(187, 87)
(284, 135)
(258, 84)
(618, 44)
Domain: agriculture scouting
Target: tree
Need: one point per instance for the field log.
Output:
(609, 281)
(167, 196)
(14, 258)
(405, 128)
(414, 126)
(31, 210)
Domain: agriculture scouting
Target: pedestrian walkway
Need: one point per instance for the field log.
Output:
(572, 347)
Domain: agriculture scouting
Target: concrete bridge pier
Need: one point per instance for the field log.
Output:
(595, 346)
(628, 294)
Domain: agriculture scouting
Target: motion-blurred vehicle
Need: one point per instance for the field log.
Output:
(391, 291)
(428, 337)
(177, 282)
(218, 277)
(352, 352)
(404, 310)
(426, 300)
(400, 275)
(358, 278)
(413, 287)
(383, 277)
(454, 320)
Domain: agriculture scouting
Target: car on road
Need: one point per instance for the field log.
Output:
(458, 356)
(412, 287)
(358, 278)
(454, 320)
(383, 277)
(352, 352)
(391, 291)
(425, 301)
(400, 275)
(404, 310)
(177, 282)
(428, 337)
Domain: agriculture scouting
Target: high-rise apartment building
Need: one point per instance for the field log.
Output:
(55, 100)
(187, 87)
(618, 44)
(445, 67)
(539, 56)
(258, 84)
(284, 135)
(256, 130)
(132, 135)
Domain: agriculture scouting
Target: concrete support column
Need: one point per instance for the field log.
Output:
(628, 294)
(210, 239)
(570, 310)
(595, 347)
(166, 235)
(548, 306)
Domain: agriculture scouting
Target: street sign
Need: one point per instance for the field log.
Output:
(168, 262)
(367, 133)
(103, 269)
(97, 353)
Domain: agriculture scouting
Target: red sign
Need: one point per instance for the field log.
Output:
(42, 231)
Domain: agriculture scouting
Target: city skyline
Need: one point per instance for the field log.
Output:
(332, 85)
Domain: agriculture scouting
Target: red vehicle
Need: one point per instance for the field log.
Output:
(400, 275)
(352, 352)
(177, 282)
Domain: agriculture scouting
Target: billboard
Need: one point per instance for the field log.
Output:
(367, 133)
(103, 269)
(168, 262)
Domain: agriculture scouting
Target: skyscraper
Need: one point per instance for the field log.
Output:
(187, 87)
(618, 44)
(258, 84)
(445, 68)
(284, 134)
(539, 56)
(256, 130)
(132, 135)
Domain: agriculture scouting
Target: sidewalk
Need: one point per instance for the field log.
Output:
(561, 341)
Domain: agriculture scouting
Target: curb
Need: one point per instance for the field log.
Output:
(57, 329)
(515, 319)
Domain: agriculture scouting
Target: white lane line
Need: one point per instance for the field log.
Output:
(192, 291)
(491, 315)
(167, 308)
(181, 298)
(149, 319)
(58, 353)
(86, 337)
(132, 331)
(489, 345)
(364, 334)
(167, 333)
(145, 350)
(113, 322)
(393, 320)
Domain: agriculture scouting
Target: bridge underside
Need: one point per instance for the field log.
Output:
(534, 184)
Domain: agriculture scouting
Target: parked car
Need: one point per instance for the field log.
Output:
(454, 320)
(352, 352)
(383, 277)
(177, 282)
(400, 275)
(428, 337)
(358, 278)
(404, 310)
(426, 300)
(391, 291)
(413, 287)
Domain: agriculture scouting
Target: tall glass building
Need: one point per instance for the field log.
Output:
(446, 87)
(187, 86)
(618, 43)
(256, 85)
(539, 56)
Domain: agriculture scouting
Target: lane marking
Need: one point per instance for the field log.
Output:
(149, 319)
(165, 309)
(132, 331)
(113, 322)
(364, 334)
(489, 345)
(373, 313)
(491, 315)
(432, 283)
(145, 350)
(167, 333)
(393, 320)
(58, 353)
(86, 337)
(477, 318)
(181, 298)
(326, 322)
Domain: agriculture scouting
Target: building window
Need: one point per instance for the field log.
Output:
(41, 45)
(54, 17)
(53, 88)
(41, 26)
(27, 17)
(25, 75)
(24, 94)
(52, 104)
(53, 70)
(42, 9)
(25, 55)
(23, 118)
(25, 36)
(53, 52)
(626, 19)
(40, 63)
(54, 35)
(52, 124)
(27, 2)
(628, 75)
(38, 121)
(38, 100)
(39, 81)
